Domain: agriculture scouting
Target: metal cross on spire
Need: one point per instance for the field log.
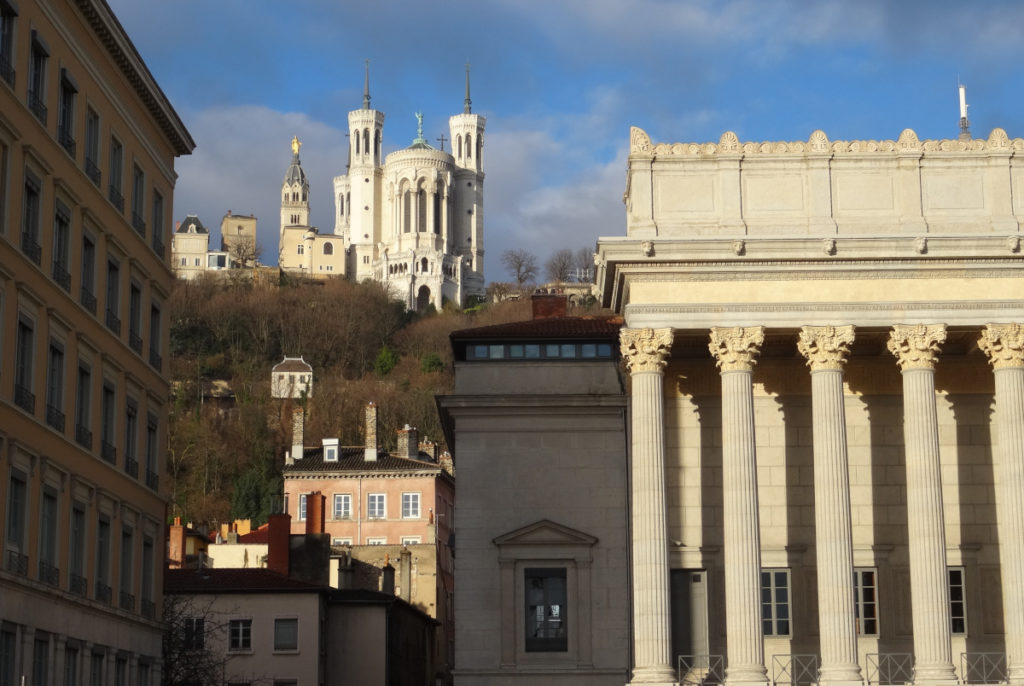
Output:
(467, 107)
(366, 87)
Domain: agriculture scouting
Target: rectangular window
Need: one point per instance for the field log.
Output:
(410, 540)
(116, 173)
(302, 507)
(194, 637)
(135, 317)
(131, 439)
(152, 446)
(92, 146)
(240, 634)
(143, 679)
(775, 602)
(286, 634)
(30, 214)
(341, 541)
(103, 560)
(62, 246)
(410, 505)
(23, 365)
(121, 672)
(88, 288)
(83, 408)
(865, 596)
(148, 569)
(7, 15)
(48, 572)
(113, 303)
(957, 599)
(545, 595)
(17, 501)
(107, 436)
(158, 223)
(138, 200)
(70, 666)
(55, 387)
(37, 59)
(375, 506)
(342, 505)
(155, 360)
(40, 660)
(76, 556)
(66, 112)
(96, 669)
(378, 540)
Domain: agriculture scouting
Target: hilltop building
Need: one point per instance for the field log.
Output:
(88, 142)
(292, 377)
(190, 246)
(412, 220)
(826, 393)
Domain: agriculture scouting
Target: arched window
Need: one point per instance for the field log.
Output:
(366, 141)
(459, 144)
(421, 210)
(376, 146)
(406, 212)
(437, 212)
(300, 249)
(341, 204)
(479, 150)
(423, 265)
(305, 196)
(348, 201)
(469, 146)
(285, 198)
(328, 249)
(355, 135)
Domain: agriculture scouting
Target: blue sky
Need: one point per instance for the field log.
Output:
(560, 82)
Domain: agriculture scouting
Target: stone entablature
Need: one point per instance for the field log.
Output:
(828, 188)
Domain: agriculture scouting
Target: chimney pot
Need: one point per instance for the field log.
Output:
(315, 512)
(546, 305)
(279, 531)
(298, 430)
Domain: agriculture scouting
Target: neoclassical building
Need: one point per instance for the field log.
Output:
(826, 357)
(412, 220)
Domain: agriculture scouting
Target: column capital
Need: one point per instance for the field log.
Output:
(736, 348)
(645, 350)
(1004, 345)
(825, 347)
(916, 346)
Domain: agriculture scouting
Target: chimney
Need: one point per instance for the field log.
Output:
(429, 447)
(315, 512)
(370, 453)
(177, 225)
(408, 445)
(176, 545)
(446, 462)
(548, 305)
(387, 581)
(279, 541)
(405, 574)
(298, 417)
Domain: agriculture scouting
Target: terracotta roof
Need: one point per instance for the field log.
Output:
(231, 581)
(351, 459)
(260, 535)
(550, 327)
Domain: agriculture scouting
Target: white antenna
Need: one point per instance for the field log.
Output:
(965, 131)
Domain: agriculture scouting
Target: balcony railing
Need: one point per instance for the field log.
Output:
(158, 246)
(17, 563)
(67, 141)
(108, 452)
(115, 197)
(113, 322)
(6, 70)
(92, 170)
(35, 103)
(152, 480)
(24, 398)
(135, 341)
(78, 584)
(88, 300)
(700, 670)
(49, 574)
(138, 223)
(797, 670)
(983, 668)
(131, 467)
(55, 418)
(30, 246)
(890, 669)
(102, 592)
(148, 609)
(155, 361)
(127, 601)
(83, 436)
(61, 275)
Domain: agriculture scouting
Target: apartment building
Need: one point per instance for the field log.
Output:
(87, 148)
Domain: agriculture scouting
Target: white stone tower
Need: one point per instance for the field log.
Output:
(467, 131)
(362, 189)
(294, 192)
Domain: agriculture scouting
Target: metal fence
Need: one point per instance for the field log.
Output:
(796, 670)
(983, 668)
(701, 669)
(886, 669)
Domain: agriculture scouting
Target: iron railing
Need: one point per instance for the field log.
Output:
(113, 322)
(127, 601)
(55, 418)
(888, 669)
(797, 670)
(49, 574)
(155, 360)
(152, 480)
(83, 436)
(700, 670)
(983, 668)
(61, 275)
(88, 300)
(116, 198)
(102, 592)
(78, 584)
(30, 246)
(108, 452)
(92, 170)
(131, 467)
(35, 103)
(138, 223)
(66, 140)
(17, 563)
(24, 398)
(148, 609)
(135, 342)
(6, 70)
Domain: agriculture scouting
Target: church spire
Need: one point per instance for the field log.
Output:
(366, 87)
(467, 107)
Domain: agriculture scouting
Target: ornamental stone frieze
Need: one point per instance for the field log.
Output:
(1004, 345)
(736, 348)
(645, 350)
(825, 347)
(916, 346)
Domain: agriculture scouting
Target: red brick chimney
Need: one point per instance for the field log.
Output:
(547, 305)
(279, 531)
(176, 545)
(315, 507)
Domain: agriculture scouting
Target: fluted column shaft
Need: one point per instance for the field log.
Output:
(826, 349)
(735, 351)
(916, 348)
(1004, 344)
(645, 352)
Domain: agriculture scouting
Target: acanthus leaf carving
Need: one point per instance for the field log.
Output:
(825, 347)
(1003, 344)
(916, 346)
(736, 348)
(639, 141)
(645, 350)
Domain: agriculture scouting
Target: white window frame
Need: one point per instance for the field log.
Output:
(411, 540)
(773, 623)
(240, 647)
(410, 506)
(375, 510)
(865, 600)
(341, 541)
(342, 506)
(302, 507)
(377, 540)
(957, 578)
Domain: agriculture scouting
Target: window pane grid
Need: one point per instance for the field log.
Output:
(775, 611)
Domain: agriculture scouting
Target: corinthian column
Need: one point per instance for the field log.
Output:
(1004, 345)
(645, 352)
(826, 348)
(735, 350)
(916, 349)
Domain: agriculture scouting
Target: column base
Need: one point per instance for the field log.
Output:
(840, 682)
(662, 675)
(937, 682)
(755, 675)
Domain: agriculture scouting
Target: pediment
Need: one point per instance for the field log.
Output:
(545, 533)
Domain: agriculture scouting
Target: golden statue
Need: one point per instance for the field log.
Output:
(296, 144)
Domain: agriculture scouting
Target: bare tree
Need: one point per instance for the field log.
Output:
(521, 264)
(192, 636)
(244, 251)
(583, 265)
(559, 266)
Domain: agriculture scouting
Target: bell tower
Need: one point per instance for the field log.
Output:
(365, 174)
(295, 192)
(467, 131)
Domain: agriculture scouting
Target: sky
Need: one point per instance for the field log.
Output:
(560, 82)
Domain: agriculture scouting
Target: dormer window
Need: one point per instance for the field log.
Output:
(330, 449)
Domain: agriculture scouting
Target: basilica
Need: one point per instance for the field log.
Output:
(412, 220)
